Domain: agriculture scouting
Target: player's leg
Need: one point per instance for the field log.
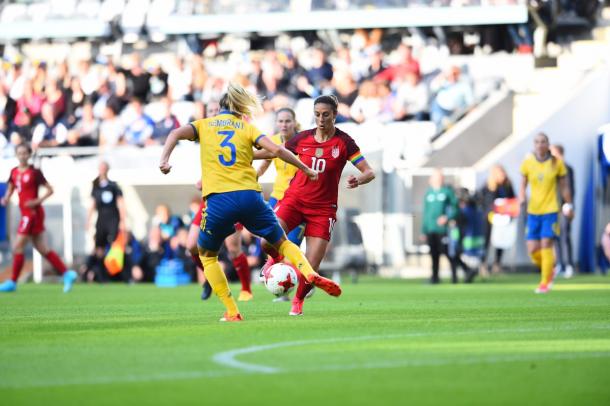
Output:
(240, 263)
(566, 232)
(434, 243)
(69, 276)
(263, 222)
(191, 246)
(216, 224)
(10, 285)
(288, 216)
(549, 232)
(316, 249)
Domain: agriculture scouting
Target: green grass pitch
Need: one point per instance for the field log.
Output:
(384, 342)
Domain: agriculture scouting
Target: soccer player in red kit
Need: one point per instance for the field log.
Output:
(27, 180)
(325, 149)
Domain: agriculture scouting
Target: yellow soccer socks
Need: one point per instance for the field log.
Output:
(293, 254)
(536, 258)
(218, 281)
(547, 263)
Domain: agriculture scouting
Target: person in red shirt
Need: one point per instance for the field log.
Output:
(27, 180)
(325, 149)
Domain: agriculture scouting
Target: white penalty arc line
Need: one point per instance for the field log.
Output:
(228, 358)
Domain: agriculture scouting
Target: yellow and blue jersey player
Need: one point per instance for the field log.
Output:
(231, 191)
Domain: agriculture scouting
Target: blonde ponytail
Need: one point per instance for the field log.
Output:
(239, 100)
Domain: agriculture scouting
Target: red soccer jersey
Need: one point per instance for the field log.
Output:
(27, 183)
(329, 159)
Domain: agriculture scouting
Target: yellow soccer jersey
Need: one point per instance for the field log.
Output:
(285, 173)
(225, 143)
(542, 178)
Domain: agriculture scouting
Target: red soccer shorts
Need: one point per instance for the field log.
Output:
(32, 222)
(319, 222)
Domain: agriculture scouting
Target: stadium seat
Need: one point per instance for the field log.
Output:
(14, 12)
(111, 8)
(88, 8)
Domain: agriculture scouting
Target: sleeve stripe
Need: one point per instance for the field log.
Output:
(194, 132)
(357, 157)
(258, 138)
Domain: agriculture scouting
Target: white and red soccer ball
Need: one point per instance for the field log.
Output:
(280, 278)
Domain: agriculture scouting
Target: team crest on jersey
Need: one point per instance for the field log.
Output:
(335, 152)
(319, 152)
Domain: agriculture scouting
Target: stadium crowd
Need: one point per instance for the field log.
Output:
(140, 100)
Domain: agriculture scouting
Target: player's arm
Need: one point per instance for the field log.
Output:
(566, 194)
(263, 168)
(9, 192)
(285, 155)
(120, 202)
(262, 154)
(48, 191)
(366, 175)
(186, 132)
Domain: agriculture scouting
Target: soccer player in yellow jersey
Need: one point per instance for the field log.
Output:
(232, 193)
(543, 173)
(287, 126)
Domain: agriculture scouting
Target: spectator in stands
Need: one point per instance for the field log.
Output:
(453, 97)
(212, 108)
(55, 97)
(111, 128)
(166, 221)
(8, 108)
(153, 251)
(180, 81)
(376, 64)
(386, 99)
(346, 90)
(440, 207)
(48, 132)
(28, 108)
(88, 78)
(367, 105)
(412, 99)
(321, 71)
(16, 81)
(498, 186)
(168, 123)
(199, 77)
(137, 80)
(294, 82)
(102, 98)
(139, 131)
(563, 244)
(86, 131)
(158, 82)
(39, 80)
(407, 64)
(198, 111)
(74, 101)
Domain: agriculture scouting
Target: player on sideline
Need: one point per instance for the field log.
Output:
(543, 172)
(26, 180)
(326, 149)
(287, 128)
(232, 193)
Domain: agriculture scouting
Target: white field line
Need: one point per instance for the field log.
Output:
(227, 359)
